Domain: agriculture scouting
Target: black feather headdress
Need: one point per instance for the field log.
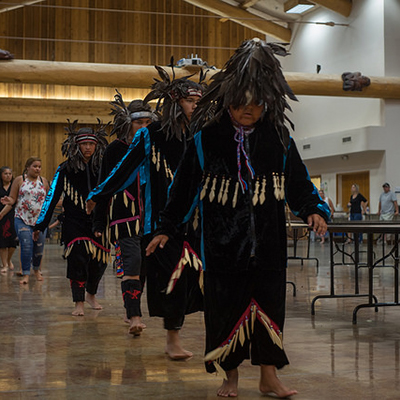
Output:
(70, 146)
(252, 74)
(168, 92)
(124, 115)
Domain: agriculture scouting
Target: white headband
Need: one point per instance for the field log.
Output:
(141, 114)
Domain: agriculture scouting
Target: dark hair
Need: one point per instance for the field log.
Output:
(2, 169)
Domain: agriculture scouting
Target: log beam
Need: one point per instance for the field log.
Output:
(242, 17)
(141, 77)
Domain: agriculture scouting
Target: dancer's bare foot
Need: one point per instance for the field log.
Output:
(4, 270)
(38, 275)
(10, 266)
(92, 301)
(136, 326)
(174, 347)
(24, 280)
(78, 312)
(229, 387)
(270, 383)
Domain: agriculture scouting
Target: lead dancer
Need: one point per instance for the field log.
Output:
(240, 169)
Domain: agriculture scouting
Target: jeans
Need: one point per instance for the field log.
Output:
(357, 217)
(31, 252)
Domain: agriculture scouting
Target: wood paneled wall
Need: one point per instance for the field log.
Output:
(101, 31)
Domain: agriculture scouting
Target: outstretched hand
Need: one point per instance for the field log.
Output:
(317, 223)
(90, 204)
(158, 241)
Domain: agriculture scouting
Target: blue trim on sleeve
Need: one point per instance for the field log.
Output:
(145, 173)
(199, 148)
(132, 177)
(49, 197)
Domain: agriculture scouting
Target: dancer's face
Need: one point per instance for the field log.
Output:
(188, 105)
(247, 115)
(87, 149)
(139, 124)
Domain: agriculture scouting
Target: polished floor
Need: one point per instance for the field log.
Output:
(45, 353)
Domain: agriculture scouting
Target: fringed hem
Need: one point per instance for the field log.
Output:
(190, 257)
(92, 247)
(242, 330)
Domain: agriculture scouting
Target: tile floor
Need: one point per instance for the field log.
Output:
(45, 353)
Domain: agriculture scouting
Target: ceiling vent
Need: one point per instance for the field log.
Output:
(346, 139)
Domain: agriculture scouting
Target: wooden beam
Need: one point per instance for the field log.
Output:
(332, 85)
(53, 111)
(141, 76)
(342, 7)
(81, 74)
(242, 17)
(14, 4)
(248, 3)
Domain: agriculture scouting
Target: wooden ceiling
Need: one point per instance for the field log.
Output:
(264, 16)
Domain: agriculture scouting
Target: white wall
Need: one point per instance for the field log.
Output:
(370, 45)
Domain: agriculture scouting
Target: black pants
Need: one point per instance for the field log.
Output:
(82, 268)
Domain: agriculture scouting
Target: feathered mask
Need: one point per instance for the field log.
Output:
(70, 146)
(168, 92)
(124, 115)
(252, 74)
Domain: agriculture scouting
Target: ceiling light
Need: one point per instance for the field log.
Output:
(297, 6)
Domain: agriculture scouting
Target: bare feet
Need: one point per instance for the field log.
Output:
(24, 280)
(174, 347)
(136, 326)
(78, 312)
(38, 275)
(269, 383)
(92, 301)
(229, 387)
(4, 270)
(11, 266)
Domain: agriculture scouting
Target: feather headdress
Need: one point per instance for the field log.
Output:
(252, 74)
(124, 115)
(70, 146)
(168, 92)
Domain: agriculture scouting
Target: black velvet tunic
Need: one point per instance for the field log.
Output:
(77, 225)
(122, 214)
(244, 233)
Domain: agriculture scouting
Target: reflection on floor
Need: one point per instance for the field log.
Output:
(45, 353)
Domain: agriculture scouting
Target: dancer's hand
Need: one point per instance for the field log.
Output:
(317, 223)
(158, 241)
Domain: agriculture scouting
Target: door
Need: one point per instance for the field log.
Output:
(344, 183)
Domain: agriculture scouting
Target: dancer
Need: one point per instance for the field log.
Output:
(156, 152)
(86, 255)
(28, 191)
(240, 169)
(124, 211)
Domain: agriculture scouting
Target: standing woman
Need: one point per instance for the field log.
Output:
(7, 229)
(357, 205)
(28, 191)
